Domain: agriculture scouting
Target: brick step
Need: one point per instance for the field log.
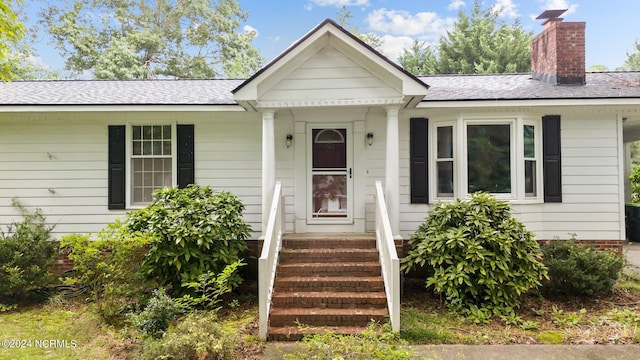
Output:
(330, 269)
(329, 283)
(295, 333)
(328, 255)
(332, 243)
(329, 300)
(326, 317)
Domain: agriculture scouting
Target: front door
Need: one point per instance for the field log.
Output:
(330, 199)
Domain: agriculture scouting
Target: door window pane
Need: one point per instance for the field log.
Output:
(489, 158)
(329, 196)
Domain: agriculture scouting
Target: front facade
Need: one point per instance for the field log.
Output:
(328, 118)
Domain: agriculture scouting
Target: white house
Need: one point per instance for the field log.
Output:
(327, 119)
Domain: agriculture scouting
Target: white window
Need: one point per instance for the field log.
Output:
(152, 161)
(498, 156)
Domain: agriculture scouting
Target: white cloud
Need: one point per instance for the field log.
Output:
(456, 4)
(249, 29)
(393, 46)
(398, 22)
(339, 3)
(308, 7)
(506, 8)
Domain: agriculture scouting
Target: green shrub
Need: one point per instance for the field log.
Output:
(483, 259)
(580, 270)
(196, 230)
(110, 268)
(26, 254)
(154, 319)
(197, 336)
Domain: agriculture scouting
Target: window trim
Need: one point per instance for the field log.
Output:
(460, 159)
(129, 204)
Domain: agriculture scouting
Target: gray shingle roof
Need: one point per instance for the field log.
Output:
(522, 87)
(115, 92)
(219, 92)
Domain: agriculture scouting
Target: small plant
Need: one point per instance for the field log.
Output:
(530, 325)
(154, 319)
(26, 254)
(195, 230)
(210, 288)
(626, 316)
(373, 343)
(565, 320)
(483, 259)
(197, 336)
(580, 270)
(551, 337)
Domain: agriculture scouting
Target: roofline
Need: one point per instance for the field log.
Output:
(41, 108)
(308, 35)
(578, 101)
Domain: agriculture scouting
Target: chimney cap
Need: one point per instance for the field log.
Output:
(551, 14)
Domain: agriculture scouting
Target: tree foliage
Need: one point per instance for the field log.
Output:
(419, 60)
(632, 63)
(11, 31)
(480, 43)
(124, 39)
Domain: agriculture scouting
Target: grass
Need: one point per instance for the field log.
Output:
(76, 332)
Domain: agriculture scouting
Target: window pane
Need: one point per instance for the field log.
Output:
(157, 148)
(137, 132)
(445, 142)
(329, 197)
(530, 178)
(529, 141)
(166, 147)
(137, 148)
(489, 158)
(157, 132)
(146, 132)
(146, 148)
(445, 178)
(166, 132)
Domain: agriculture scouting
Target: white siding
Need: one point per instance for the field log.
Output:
(328, 75)
(590, 182)
(58, 162)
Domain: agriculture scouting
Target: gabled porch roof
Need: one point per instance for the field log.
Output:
(362, 76)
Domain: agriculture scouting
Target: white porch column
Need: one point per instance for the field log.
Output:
(392, 173)
(268, 164)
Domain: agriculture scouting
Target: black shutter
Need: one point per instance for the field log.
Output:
(419, 156)
(117, 160)
(186, 163)
(551, 158)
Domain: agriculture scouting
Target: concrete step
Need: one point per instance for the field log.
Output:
(329, 300)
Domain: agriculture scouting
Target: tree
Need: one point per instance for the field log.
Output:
(419, 60)
(633, 59)
(11, 31)
(124, 39)
(479, 43)
(597, 68)
(344, 17)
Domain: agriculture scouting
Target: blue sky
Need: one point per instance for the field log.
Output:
(612, 26)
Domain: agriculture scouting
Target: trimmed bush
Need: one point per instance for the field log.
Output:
(196, 230)
(483, 259)
(580, 270)
(26, 254)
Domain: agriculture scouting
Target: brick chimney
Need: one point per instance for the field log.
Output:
(558, 53)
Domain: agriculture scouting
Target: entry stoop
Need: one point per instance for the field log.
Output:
(326, 282)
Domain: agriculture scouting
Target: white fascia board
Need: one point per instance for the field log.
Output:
(118, 108)
(528, 103)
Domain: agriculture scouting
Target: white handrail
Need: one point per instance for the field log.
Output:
(269, 258)
(388, 258)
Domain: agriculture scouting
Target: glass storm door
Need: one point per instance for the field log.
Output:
(331, 176)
